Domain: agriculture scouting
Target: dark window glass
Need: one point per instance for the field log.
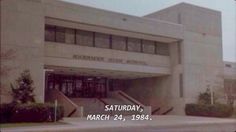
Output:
(84, 38)
(228, 65)
(134, 44)
(148, 46)
(49, 33)
(102, 40)
(181, 88)
(70, 36)
(179, 53)
(162, 49)
(60, 34)
(118, 42)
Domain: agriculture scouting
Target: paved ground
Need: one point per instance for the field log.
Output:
(167, 123)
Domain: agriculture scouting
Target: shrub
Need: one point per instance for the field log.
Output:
(205, 97)
(23, 91)
(34, 112)
(216, 110)
(5, 112)
(30, 113)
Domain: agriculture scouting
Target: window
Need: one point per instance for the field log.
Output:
(148, 46)
(179, 53)
(84, 38)
(162, 49)
(102, 40)
(70, 36)
(118, 42)
(60, 34)
(134, 44)
(50, 33)
(181, 89)
(228, 65)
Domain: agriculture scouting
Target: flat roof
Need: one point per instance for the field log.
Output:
(88, 15)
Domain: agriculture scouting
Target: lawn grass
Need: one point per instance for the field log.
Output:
(9, 125)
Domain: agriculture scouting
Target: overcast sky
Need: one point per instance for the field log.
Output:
(143, 7)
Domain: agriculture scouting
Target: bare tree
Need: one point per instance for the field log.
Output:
(5, 56)
(4, 69)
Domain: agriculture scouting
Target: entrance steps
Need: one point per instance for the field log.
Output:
(79, 107)
(97, 105)
(115, 101)
(70, 108)
(90, 105)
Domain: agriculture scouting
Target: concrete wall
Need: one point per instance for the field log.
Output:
(57, 54)
(193, 34)
(133, 27)
(201, 48)
(163, 91)
(230, 70)
(22, 30)
(152, 90)
(229, 80)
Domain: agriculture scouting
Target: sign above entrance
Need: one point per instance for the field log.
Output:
(110, 60)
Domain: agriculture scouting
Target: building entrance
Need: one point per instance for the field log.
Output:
(78, 86)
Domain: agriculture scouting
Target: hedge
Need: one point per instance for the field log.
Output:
(216, 110)
(5, 112)
(34, 112)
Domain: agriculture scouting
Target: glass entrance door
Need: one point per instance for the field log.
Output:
(78, 86)
(88, 87)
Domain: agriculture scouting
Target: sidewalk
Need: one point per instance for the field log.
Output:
(167, 123)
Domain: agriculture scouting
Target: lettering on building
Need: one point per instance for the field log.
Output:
(110, 60)
(91, 58)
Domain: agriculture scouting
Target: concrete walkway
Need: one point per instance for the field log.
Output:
(167, 123)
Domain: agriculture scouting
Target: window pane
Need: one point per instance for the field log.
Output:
(60, 34)
(70, 36)
(148, 46)
(134, 44)
(162, 49)
(49, 33)
(84, 38)
(102, 40)
(181, 89)
(118, 42)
